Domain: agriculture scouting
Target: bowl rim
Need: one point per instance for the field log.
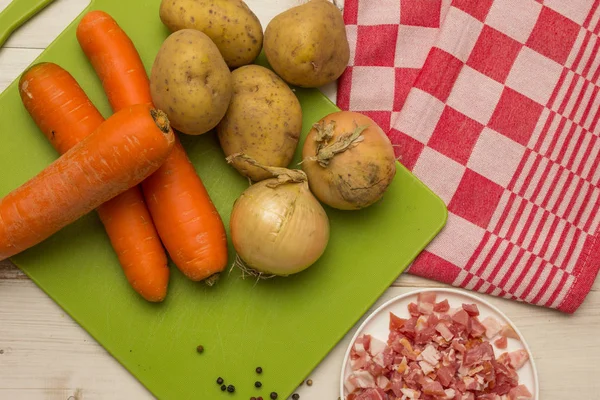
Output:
(460, 292)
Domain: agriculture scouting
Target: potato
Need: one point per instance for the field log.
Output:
(307, 45)
(191, 82)
(230, 24)
(264, 121)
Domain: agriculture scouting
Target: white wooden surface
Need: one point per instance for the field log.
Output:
(45, 355)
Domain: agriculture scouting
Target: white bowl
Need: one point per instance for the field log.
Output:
(377, 325)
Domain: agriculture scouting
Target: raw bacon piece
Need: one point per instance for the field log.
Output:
(426, 367)
(477, 354)
(492, 327)
(501, 342)
(383, 382)
(509, 332)
(433, 389)
(372, 394)
(444, 331)
(410, 394)
(442, 306)
(476, 328)
(518, 358)
(413, 309)
(396, 323)
(430, 354)
(520, 393)
(445, 375)
(471, 309)
(461, 317)
(376, 346)
(359, 379)
(426, 298)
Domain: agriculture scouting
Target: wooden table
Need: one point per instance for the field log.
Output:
(45, 355)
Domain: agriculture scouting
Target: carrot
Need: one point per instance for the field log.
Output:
(186, 219)
(119, 154)
(65, 115)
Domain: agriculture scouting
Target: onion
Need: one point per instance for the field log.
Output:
(349, 160)
(277, 226)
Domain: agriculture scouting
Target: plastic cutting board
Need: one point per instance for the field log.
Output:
(285, 325)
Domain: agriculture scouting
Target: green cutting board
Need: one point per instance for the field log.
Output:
(285, 325)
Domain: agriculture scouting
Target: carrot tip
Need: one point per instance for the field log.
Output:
(161, 120)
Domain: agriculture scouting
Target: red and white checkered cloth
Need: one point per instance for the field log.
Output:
(494, 104)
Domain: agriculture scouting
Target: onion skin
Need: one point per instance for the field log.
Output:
(357, 177)
(279, 230)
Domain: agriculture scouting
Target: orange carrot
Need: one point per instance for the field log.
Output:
(123, 151)
(186, 219)
(65, 115)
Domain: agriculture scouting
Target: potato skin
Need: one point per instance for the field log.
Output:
(191, 82)
(307, 45)
(264, 121)
(230, 24)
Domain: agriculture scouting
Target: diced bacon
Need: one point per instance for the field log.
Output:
(488, 396)
(430, 354)
(471, 383)
(476, 354)
(396, 322)
(471, 309)
(376, 347)
(403, 366)
(437, 354)
(518, 358)
(509, 332)
(461, 317)
(410, 394)
(433, 389)
(492, 327)
(444, 331)
(388, 357)
(445, 375)
(383, 382)
(520, 393)
(359, 379)
(501, 342)
(409, 327)
(426, 367)
(372, 394)
(476, 328)
(379, 359)
(426, 298)
(421, 324)
(442, 306)
(425, 336)
(425, 308)
(458, 346)
(359, 361)
(413, 309)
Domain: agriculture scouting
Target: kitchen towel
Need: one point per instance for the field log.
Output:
(494, 104)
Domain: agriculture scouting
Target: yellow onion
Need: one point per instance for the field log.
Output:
(349, 160)
(277, 226)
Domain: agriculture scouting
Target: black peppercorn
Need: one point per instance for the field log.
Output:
(252, 398)
(273, 395)
(257, 384)
(231, 388)
(223, 388)
(295, 396)
(258, 370)
(219, 380)
(200, 349)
